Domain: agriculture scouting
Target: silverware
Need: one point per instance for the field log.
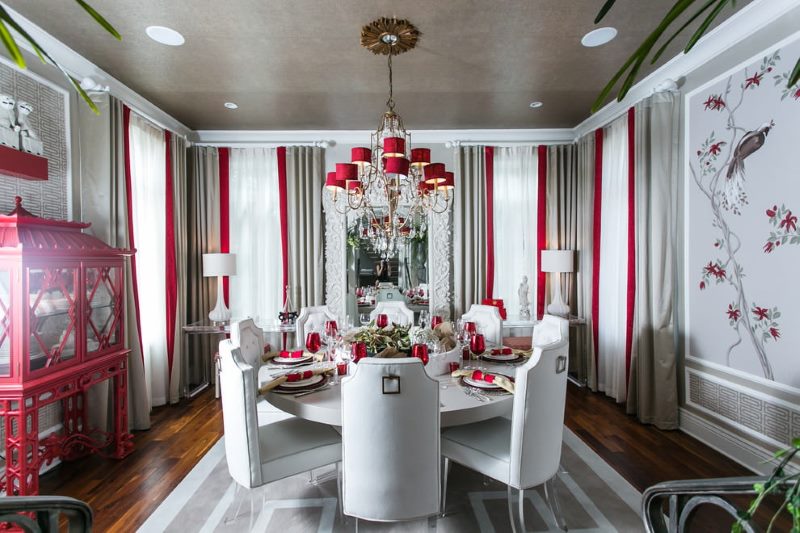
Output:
(306, 393)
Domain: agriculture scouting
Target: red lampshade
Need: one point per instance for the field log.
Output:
(346, 171)
(395, 165)
(394, 147)
(332, 183)
(424, 188)
(420, 156)
(361, 156)
(449, 183)
(353, 186)
(434, 173)
(375, 222)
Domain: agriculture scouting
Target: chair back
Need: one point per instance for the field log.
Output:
(537, 420)
(312, 319)
(389, 294)
(249, 338)
(398, 313)
(239, 390)
(488, 320)
(390, 441)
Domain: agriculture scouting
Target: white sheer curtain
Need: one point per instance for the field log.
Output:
(148, 179)
(255, 234)
(613, 262)
(515, 199)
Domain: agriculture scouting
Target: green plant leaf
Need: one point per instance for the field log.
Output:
(794, 77)
(100, 19)
(694, 17)
(604, 10)
(721, 4)
(11, 45)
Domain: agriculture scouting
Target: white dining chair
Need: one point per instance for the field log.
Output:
(398, 313)
(258, 455)
(390, 441)
(249, 338)
(525, 451)
(488, 320)
(312, 319)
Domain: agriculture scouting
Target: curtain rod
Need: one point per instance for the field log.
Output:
(316, 144)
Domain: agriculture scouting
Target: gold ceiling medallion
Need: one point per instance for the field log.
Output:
(389, 36)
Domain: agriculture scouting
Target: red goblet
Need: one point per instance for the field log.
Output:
(358, 350)
(465, 353)
(436, 320)
(331, 328)
(382, 320)
(312, 342)
(477, 344)
(470, 327)
(420, 351)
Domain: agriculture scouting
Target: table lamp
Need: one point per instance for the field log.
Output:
(219, 265)
(557, 261)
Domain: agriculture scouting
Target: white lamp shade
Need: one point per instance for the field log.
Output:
(219, 265)
(557, 261)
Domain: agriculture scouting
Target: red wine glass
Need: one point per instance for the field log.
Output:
(436, 320)
(358, 350)
(420, 351)
(477, 344)
(470, 327)
(313, 342)
(331, 328)
(382, 320)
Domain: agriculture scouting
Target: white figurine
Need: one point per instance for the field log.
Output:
(30, 141)
(524, 302)
(8, 135)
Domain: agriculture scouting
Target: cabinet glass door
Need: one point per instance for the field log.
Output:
(5, 323)
(53, 310)
(104, 308)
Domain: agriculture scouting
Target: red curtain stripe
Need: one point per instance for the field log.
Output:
(598, 190)
(541, 227)
(170, 263)
(489, 162)
(284, 217)
(224, 212)
(631, 288)
(126, 136)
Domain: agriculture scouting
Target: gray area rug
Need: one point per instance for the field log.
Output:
(594, 498)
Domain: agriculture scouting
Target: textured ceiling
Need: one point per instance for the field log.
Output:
(297, 64)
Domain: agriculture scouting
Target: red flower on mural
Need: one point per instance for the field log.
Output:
(796, 94)
(715, 270)
(760, 312)
(733, 313)
(716, 148)
(714, 102)
(768, 248)
(775, 333)
(754, 80)
(702, 285)
(771, 212)
(789, 222)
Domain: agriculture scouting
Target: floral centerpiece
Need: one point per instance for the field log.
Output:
(396, 340)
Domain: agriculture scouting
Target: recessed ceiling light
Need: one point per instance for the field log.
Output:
(598, 37)
(534, 105)
(164, 35)
(231, 105)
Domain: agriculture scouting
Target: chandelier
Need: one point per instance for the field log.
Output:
(390, 187)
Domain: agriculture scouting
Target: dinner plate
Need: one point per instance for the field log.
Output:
(313, 380)
(296, 387)
(480, 384)
(500, 357)
(292, 360)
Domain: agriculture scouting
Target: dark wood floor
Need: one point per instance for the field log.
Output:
(124, 493)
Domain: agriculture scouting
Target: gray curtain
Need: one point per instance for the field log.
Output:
(103, 203)
(305, 167)
(653, 390)
(469, 227)
(202, 236)
(179, 199)
(584, 221)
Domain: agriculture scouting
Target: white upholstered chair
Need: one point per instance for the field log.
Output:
(256, 454)
(249, 338)
(488, 320)
(312, 319)
(523, 452)
(398, 313)
(390, 441)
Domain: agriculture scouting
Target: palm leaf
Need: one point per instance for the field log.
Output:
(11, 45)
(794, 77)
(100, 19)
(694, 17)
(706, 23)
(603, 10)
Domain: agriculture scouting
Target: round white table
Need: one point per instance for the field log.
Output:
(457, 408)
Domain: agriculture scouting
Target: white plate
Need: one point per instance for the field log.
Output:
(292, 360)
(310, 382)
(500, 357)
(480, 384)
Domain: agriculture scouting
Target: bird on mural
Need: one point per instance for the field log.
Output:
(734, 196)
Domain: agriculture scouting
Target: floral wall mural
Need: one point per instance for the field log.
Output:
(743, 197)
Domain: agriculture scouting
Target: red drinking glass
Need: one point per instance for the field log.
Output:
(454, 365)
(382, 320)
(312, 342)
(477, 344)
(331, 328)
(436, 320)
(341, 368)
(465, 353)
(470, 327)
(358, 350)
(420, 351)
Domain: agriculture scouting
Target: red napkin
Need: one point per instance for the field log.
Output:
(480, 376)
(297, 376)
(502, 351)
(296, 354)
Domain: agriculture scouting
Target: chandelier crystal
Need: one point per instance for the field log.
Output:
(390, 186)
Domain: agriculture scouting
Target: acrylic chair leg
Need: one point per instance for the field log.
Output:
(236, 491)
(522, 511)
(339, 488)
(356, 525)
(551, 495)
(445, 473)
(511, 510)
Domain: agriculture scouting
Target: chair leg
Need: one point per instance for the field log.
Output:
(445, 473)
(236, 490)
(521, 511)
(551, 494)
(432, 523)
(339, 488)
(511, 510)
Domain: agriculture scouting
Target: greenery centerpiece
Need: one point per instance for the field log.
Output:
(396, 340)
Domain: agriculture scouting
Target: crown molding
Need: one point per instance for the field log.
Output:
(80, 67)
(749, 20)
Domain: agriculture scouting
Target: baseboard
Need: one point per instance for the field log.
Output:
(748, 454)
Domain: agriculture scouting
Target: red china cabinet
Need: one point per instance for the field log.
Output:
(61, 332)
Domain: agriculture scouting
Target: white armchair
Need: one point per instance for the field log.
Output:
(249, 338)
(312, 319)
(398, 313)
(488, 320)
(525, 451)
(390, 441)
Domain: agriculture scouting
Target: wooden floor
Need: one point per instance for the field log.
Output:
(124, 493)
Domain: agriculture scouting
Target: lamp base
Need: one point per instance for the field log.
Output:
(220, 313)
(558, 309)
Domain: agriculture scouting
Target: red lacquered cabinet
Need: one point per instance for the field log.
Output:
(61, 331)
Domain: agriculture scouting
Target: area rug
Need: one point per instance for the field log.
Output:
(594, 498)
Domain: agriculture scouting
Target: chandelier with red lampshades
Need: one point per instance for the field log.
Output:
(390, 187)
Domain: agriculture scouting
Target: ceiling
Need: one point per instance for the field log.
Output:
(297, 64)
